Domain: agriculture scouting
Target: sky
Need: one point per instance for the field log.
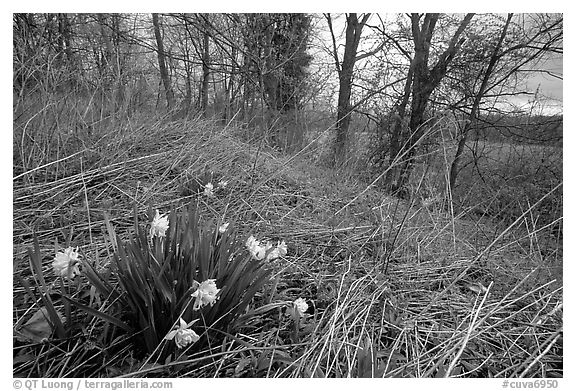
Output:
(550, 88)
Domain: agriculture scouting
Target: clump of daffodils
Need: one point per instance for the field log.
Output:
(65, 263)
(209, 189)
(266, 249)
(205, 294)
(183, 336)
(159, 225)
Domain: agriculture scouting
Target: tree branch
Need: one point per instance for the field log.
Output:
(334, 46)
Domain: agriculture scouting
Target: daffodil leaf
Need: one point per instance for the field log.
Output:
(441, 371)
(39, 327)
(23, 358)
(55, 317)
(111, 232)
(242, 364)
(99, 314)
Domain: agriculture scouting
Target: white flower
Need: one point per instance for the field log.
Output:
(223, 228)
(65, 263)
(273, 254)
(251, 241)
(183, 336)
(280, 250)
(259, 251)
(209, 189)
(205, 294)
(255, 249)
(300, 306)
(159, 225)
(283, 248)
(222, 184)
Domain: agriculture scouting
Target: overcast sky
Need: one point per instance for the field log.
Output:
(549, 87)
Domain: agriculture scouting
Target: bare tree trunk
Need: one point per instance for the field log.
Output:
(396, 136)
(247, 93)
(117, 65)
(162, 64)
(187, 103)
(65, 55)
(345, 73)
(455, 166)
(230, 90)
(107, 65)
(106, 42)
(205, 72)
(63, 38)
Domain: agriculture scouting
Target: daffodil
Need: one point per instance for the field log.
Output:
(257, 251)
(300, 306)
(183, 336)
(222, 184)
(275, 253)
(65, 263)
(159, 225)
(280, 250)
(266, 249)
(209, 189)
(205, 294)
(223, 228)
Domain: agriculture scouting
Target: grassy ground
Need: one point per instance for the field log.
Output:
(396, 288)
(519, 183)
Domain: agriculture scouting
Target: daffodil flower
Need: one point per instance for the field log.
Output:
(159, 225)
(222, 184)
(275, 253)
(223, 228)
(259, 251)
(183, 336)
(65, 263)
(300, 306)
(209, 189)
(255, 249)
(280, 250)
(205, 294)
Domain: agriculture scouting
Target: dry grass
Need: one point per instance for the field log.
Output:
(397, 289)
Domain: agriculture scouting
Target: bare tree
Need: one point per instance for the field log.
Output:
(205, 70)
(170, 101)
(345, 69)
(424, 81)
